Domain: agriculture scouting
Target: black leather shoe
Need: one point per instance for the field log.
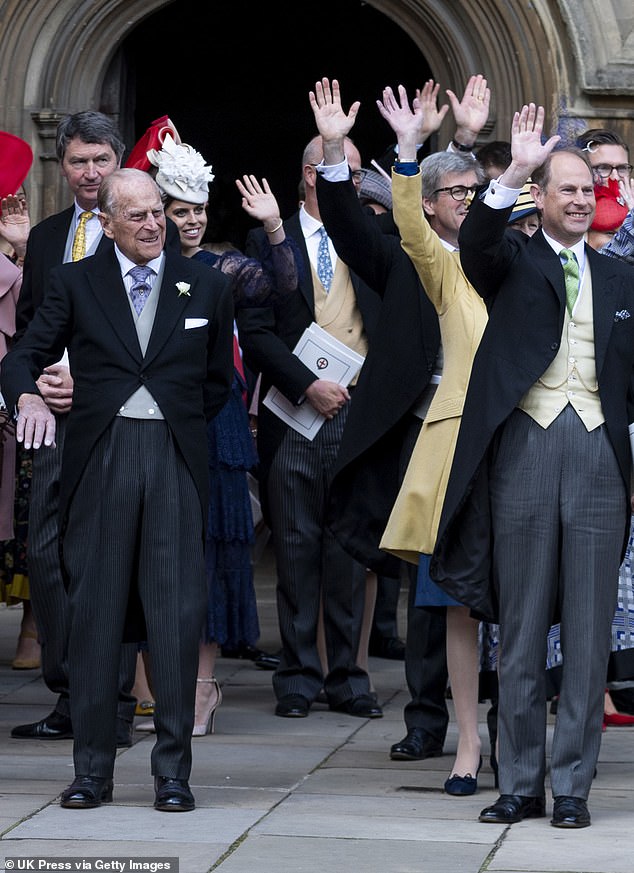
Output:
(390, 648)
(172, 795)
(416, 746)
(570, 812)
(52, 727)
(87, 792)
(292, 706)
(266, 661)
(363, 706)
(510, 808)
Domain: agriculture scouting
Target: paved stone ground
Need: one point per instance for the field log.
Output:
(292, 795)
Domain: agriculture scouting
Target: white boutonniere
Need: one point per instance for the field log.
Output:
(183, 289)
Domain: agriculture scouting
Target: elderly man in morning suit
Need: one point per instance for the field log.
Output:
(149, 336)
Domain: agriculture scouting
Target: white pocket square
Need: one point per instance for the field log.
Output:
(195, 322)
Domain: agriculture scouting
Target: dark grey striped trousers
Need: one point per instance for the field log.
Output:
(559, 510)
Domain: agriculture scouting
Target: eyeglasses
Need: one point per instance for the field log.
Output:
(604, 171)
(358, 175)
(458, 192)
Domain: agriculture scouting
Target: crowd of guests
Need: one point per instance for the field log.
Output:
(481, 452)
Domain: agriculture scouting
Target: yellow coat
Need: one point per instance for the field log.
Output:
(413, 523)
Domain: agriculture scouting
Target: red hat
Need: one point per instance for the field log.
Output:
(16, 158)
(611, 209)
(151, 139)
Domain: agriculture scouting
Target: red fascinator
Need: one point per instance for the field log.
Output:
(16, 158)
(611, 209)
(152, 139)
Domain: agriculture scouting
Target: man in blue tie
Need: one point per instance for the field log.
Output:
(313, 569)
(537, 511)
(134, 478)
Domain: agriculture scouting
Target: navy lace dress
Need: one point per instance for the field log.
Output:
(232, 615)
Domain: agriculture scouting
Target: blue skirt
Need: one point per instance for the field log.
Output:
(427, 592)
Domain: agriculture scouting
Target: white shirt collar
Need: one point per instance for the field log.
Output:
(126, 264)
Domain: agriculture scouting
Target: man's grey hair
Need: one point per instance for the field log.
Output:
(107, 196)
(434, 167)
(89, 127)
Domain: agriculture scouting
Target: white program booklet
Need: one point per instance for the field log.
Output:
(327, 358)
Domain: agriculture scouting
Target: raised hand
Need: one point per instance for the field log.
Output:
(626, 190)
(527, 149)
(427, 100)
(472, 111)
(407, 123)
(258, 201)
(15, 223)
(332, 122)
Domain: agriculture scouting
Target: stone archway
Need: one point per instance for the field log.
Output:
(574, 56)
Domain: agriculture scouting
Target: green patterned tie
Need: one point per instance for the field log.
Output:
(571, 276)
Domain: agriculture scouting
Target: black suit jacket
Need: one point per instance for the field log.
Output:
(522, 281)
(398, 367)
(269, 334)
(188, 371)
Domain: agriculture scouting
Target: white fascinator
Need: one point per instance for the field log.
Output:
(182, 172)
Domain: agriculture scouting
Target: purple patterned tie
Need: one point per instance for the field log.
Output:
(141, 287)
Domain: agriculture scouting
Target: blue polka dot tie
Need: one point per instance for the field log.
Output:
(324, 264)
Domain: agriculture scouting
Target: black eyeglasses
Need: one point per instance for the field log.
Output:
(604, 171)
(458, 192)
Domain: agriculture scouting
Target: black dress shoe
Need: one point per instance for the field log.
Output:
(570, 812)
(292, 706)
(87, 792)
(363, 706)
(416, 746)
(390, 648)
(266, 661)
(510, 808)
(52, 727)
(172, 795)
(243, 652)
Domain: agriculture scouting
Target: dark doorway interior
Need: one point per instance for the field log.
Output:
(235, 77)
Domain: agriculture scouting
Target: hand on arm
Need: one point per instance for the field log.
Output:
(472, 111)
(332, 122)
(527, 150)
(259, 202)
(36, 423)
(56, 387)
(15, 223)
(327, 397)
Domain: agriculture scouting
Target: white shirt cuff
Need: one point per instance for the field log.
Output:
(334, 172)
(499, 197)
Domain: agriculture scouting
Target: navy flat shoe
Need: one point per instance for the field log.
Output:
(463, 786)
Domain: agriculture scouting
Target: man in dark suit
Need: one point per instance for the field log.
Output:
(537, 509)
(312, 567)
(89, 148)
(150, 366)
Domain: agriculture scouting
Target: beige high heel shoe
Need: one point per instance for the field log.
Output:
(207, 717)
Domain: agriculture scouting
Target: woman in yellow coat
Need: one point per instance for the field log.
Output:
(429, 235)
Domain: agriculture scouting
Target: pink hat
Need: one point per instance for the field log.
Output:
(611, 210)
(16, 158)
(153, 138)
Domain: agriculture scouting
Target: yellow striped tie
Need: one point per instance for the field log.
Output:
(79, 242)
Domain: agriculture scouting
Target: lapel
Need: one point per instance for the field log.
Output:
(547, 261)
(605, 287)
(170, 309)
(294, 227)
(109, 290)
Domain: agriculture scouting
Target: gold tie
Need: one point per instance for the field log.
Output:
(79, 242)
